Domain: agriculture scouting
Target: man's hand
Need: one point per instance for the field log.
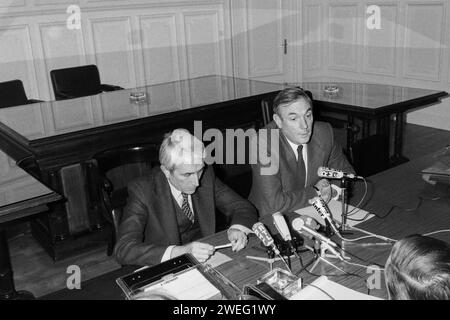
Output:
(237, 238)
(324, 188)
(200, 251)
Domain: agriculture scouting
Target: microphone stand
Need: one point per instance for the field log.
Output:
(344, 207)
(274, 251)
(324, 247)
(269, 260)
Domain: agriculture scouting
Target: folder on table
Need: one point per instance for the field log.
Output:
(180, 278)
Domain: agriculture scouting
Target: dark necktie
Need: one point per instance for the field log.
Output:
(300, 162)
(186, 208)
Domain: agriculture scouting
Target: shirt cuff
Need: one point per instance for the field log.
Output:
(242, 228)
(167, 254)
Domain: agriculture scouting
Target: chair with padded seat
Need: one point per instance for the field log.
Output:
(75, 82)
(370, 155)
(114, 169)
(12, 93)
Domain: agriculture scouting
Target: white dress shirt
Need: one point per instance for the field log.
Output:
(305, 160)
(179, 199)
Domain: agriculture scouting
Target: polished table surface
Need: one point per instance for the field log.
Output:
(47, 131)
(21, 204)
(368, 98)
(114, 107)
(404, 203)
(15, 208)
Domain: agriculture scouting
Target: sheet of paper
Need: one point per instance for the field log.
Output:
(217, 259)
(335, 209)
(187, 285)
(325, 289)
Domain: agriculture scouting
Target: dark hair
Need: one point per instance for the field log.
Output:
(418, 268)
(289, 95)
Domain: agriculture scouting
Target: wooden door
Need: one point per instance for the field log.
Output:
(264, 45)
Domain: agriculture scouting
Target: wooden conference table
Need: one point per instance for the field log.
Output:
(47, 136)
(408, 204)
(55, 141)
(17, 209)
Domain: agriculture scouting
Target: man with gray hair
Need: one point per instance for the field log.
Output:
(173, 206)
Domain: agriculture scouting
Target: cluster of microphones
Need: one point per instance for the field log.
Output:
(304, 225)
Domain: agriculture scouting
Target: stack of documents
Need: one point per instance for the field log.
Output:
(187, 285)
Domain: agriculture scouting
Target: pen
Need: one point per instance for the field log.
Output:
(223, 246)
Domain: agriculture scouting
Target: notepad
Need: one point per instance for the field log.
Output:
(335, 209)
(190, 284)
(325, 289)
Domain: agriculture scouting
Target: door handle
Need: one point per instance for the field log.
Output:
(284, 45)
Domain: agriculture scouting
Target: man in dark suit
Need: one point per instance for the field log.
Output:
(296, 147)
(173, 206)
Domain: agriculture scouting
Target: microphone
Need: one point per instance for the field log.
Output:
(282, 227)
(299, 225)
(321, 207)
(331, 173)
(311, 223)
(261, 232)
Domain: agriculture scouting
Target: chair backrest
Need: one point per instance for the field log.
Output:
(121, 165)
(12, 93)
(237, 174)
(370, 155)
(114, 169)
(75, 82)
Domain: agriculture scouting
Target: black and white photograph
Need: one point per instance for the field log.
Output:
(231, 156)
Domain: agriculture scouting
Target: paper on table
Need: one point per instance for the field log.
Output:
(335, 209)
(188, 285)
(325, 289)
(217, 259)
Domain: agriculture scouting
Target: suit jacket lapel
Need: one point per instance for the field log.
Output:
(165, 207)
(289, 153)
(315, 154)
(204, 208)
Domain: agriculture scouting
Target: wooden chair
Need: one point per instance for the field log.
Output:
(69, 83)
(12, 93)
(113, 169)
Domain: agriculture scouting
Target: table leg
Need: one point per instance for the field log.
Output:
(366, 128)
(398, 158)
(351, 133)
(7, 288)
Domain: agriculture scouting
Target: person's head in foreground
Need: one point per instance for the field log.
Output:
(418, 268)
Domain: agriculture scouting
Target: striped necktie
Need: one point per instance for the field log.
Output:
(186, 208)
